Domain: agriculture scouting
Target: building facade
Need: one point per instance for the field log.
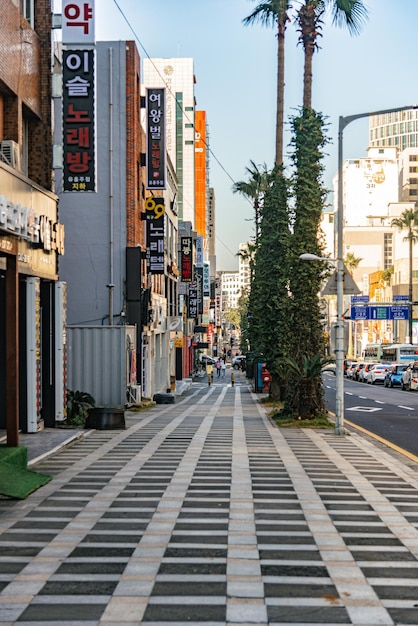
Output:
(32, 326)
(112, 277)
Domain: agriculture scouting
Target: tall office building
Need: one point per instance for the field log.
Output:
(177, 76)
(398, 129)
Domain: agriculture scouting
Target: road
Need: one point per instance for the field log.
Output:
(389, 413)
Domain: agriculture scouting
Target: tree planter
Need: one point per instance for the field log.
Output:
(105, 418)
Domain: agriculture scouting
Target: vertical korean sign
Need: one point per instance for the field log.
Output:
(155, 235)
(155, 158)
(186, 258)
(78, 29)
(78, 120)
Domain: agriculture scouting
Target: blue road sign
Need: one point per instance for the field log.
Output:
(394, 312)
(359, 299)
(399, 298)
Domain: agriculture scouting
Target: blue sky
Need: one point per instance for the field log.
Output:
(235, 68)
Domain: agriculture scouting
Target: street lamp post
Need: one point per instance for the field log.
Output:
(339, 338)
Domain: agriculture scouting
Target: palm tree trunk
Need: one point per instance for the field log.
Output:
(280, 91)
(307, 21)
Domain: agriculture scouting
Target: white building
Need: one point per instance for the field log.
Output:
(369, 184)
(230, 289)
(177, 76)
(244, 271)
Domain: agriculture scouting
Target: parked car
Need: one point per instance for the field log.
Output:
(205, 358)
(238, 362)
(347, 363)
(377, 373)
(409, 379)
(358, 369)
(330, 367)
(363, 373)
(351, 368)
(394, 374)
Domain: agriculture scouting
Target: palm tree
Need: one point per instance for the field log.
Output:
(351, 262)
(274, 13)
(408, 220)
(254, 190)
(349, 13)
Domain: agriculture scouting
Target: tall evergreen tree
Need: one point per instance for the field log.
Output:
(306, 278)
(269, 331)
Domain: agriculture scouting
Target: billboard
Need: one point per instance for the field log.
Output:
(78, 22)
(155, 211)
(186, 257)
(155, 157)
(78, 121)
(200, 172)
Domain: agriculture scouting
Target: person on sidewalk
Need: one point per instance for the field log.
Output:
(218, 368)
(223, 368)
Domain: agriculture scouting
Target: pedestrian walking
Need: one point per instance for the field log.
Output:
(223, 369)
(218, 368)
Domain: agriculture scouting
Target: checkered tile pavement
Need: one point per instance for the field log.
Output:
(205, 513)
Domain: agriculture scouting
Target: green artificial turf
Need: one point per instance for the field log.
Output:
(16, 480)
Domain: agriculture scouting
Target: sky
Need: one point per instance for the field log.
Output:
(235, 69)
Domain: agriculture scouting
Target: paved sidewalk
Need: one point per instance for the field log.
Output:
(204, 512)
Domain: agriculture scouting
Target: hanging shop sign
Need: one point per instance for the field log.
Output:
(155, 157)
(155, 211)
(78, 121)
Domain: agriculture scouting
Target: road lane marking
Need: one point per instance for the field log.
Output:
(379, 402)
(409, 455)
(364, 409)
(408, 408)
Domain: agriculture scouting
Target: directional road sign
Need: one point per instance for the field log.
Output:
(393, 312)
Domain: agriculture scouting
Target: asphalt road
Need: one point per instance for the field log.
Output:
(389, 413)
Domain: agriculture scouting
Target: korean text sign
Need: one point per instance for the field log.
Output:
(78, 22)
(155, 158)
(78, 120)
(155, 235)
(186, 256)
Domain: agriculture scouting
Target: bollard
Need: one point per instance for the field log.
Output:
(232, 379)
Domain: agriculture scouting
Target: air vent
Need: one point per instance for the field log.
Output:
(10, 154)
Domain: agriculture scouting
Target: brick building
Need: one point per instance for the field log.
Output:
(31, 238)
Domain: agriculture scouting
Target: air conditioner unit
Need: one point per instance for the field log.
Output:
(10, 154)
(134, 394)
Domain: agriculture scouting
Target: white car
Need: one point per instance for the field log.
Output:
(377, 374)
(351, 368)
(238, 361)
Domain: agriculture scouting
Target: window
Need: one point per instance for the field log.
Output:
(413, 181)
(413, 169)
(28, 11)
(412, 192)
(387, 250)
(412, 157)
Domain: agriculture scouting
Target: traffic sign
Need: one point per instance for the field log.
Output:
(398, 298)
(393, 312)
(359, 299)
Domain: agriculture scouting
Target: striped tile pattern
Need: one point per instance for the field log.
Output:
(205, 513)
